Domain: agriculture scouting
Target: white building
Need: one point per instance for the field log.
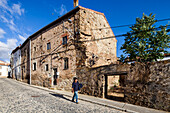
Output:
(16, 62)
(167, 57)
(4, 69)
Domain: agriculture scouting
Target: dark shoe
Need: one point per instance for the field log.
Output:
(77, 103)
(72, 100)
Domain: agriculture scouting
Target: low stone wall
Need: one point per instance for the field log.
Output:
(145, 84)
(149, 85)
(93, 78)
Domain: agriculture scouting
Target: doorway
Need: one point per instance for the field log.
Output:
(55, 76)
(114, 86)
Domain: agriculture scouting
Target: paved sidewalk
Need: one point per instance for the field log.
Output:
(104, 102)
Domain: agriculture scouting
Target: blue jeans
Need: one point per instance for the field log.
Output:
(75, 96)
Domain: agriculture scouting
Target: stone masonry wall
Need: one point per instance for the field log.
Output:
(93, 78)
(102, 52)
(145, 84)
(149, 85)
(79, 53)
(55, 56)
(25, 63)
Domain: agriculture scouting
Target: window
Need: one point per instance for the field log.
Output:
(34, 66)
(48, 46)
(46, 67)
(65, 40)
(34, 48)
(0, 73)
(66, 63)
(0, 67)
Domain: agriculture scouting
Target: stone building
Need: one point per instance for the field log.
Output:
(71, 42)
(25, 61)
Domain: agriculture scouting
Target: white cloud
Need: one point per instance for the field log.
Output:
(12, 28)
(2, 32)
(3, 3)
(17, 9)
(9, 13)
(62, 10)
(22, 39)
(11, 22)
(4, 19)
(12, 43)
(6, 48)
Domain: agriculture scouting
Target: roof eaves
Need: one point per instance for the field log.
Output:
(15, 49)
(52, 23)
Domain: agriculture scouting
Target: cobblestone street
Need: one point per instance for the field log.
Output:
(18, 98)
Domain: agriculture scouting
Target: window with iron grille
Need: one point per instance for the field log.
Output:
(48, 46)
(66, 66)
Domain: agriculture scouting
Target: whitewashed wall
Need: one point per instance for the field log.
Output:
(16, 64)
(4, 71)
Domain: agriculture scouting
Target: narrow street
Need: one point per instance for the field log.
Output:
(18, 98)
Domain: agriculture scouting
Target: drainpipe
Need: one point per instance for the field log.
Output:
(30, 61)
(51, 72)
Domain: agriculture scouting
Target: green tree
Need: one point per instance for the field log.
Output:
(145, 42)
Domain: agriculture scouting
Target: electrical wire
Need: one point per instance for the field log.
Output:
(129, 24)
(121, 35)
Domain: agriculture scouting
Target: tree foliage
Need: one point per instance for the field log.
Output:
(145, 42)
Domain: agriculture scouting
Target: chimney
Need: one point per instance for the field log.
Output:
(76, 3)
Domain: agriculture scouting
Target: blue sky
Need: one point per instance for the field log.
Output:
(21, 18)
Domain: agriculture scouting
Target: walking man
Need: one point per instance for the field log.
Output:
(75, 88)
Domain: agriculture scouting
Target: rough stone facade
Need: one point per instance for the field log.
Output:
(84, 48)
(25, 62)
(102, 51)
(93, 79)
(144, 84)
(149, 85)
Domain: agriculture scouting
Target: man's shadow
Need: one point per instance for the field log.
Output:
(60, 96)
